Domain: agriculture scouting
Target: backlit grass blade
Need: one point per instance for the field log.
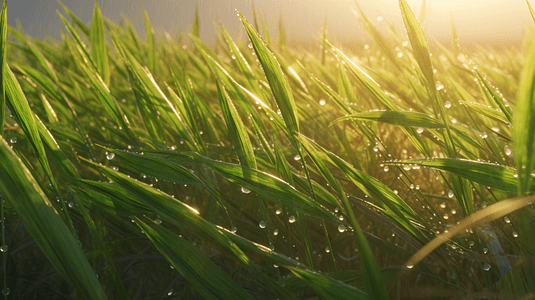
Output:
(374, 282)
(236, 129)
(19, 188)
(75, 20)
(490, 213)
(168, 208)
(396, 209)
(3, 41)
(524, 125)
(491, 175)
(531, 10)
(268, 186)
(277, 80)
(151, 55)
(418, 43)
(196, 26)
(192, 263)
(329, 288)
(99, 48)
(401, 118)
(486, 111)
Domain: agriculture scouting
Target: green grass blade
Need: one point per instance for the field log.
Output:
(151, 55)
(75, 20)
(3, 53)
(491, 175)
(277, 81)
(236, 129)
(524, 125)
(196, 26)
(193, 264)
(490, 213)
(329, 288)
(401, 118)
(531, 10)
(20, 189)
(99, 48)
(374, 282)
(396, 209)
(418, 43)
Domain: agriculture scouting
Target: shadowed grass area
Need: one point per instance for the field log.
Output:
(166, 169)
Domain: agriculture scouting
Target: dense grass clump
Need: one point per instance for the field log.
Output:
(161, 168)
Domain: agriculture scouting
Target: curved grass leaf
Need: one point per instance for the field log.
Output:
(490, 213)
(236, 129)
(194, 265)
(492, 175)
(524, 125)
(401, 118)
(99, 48)
(3, 53)
(374, 282)
(277, 81)
(329, 288)
(394, 207)
(418, 43)
(19, 188)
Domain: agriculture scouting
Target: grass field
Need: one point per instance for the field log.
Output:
(161, 168)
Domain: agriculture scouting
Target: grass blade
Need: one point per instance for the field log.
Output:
(194, 265)
(99, 48)
(484, 215)
(401, 118)
(3, 53)
(277, 81)
(20, 189)
(524, 125)
(492, 175)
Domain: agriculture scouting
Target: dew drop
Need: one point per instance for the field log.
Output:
(341, 228)
(297, 157)
(245, 190)
(234, 229)
(13, 140)
(485, 250)
(447, 104)
(515, 234)
(506, 219)
(291, 219)
(322, 102)
(278, 211)
(262, 224)
(327, 249)
(439, 86)
(453, 211)
(6, 291)
(386, 168)
(3, 248)
(409, 265)
(443, 205)
(508, 150)
(420, 130)
(276, 232)
(486, 267)
(110, 155)
(450, 194)
(71, 204)
(406, 167)
(375, 149)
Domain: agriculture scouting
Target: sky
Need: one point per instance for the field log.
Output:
(480, 21)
